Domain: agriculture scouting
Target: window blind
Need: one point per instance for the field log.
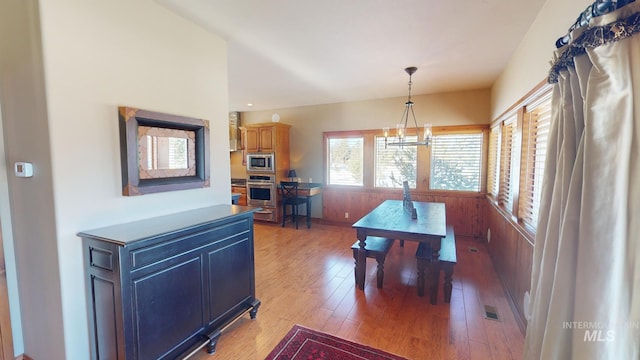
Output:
(505, 193)
(535, 135)
(394, 164)
(456, 162)
(493, 165)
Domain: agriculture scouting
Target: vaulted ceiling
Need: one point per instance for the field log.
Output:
(285, 53)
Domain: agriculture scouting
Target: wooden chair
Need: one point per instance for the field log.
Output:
(446, 260)
(377, 248)
(290, 198)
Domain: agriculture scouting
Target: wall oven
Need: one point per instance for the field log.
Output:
(262, 191)
(261, 162)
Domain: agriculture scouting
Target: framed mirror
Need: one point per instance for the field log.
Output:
(162, 152)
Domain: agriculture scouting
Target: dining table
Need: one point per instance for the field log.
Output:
(391, 220)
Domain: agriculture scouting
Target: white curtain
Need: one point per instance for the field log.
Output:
(585, 285)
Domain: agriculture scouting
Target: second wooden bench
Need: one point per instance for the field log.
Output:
(446, 260)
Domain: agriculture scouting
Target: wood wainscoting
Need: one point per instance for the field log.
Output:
(347, 205)
(511, 250)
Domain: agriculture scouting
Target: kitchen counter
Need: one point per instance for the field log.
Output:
(238, 182)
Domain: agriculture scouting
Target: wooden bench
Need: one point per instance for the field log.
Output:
(446, 261)
(377, 248)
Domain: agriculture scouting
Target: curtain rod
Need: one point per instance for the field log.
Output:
(599, 7)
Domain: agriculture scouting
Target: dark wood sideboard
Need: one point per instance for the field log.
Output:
(164, 287)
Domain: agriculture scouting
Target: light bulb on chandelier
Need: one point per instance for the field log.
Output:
(402, 128)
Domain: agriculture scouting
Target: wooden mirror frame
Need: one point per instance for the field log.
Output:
(129, 120)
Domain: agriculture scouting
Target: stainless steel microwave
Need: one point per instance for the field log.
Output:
(260, 162)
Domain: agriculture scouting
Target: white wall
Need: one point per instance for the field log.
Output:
(97, 55)
(27, 210)
(530, 63)
(8, 250)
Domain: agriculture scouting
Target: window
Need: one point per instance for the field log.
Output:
(517, 156)
(456, 162)
(505, 193)
(345, 161)
(395, 164)
(360, 158)
(493, 163)
(535, 134)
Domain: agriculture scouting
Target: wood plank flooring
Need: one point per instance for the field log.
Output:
(306, 277)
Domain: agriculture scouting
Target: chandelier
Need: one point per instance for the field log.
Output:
(403, 128)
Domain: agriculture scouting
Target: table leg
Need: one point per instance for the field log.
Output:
(422, 270)
(308, 212)
(448, 274)
(434, 275)
(361, 261)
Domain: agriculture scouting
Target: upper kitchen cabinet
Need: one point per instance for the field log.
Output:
(267, 137)
(259, 139)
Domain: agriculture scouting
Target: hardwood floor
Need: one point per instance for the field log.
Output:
(306, 277)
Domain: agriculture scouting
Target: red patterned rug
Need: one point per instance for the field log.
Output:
(302, 343)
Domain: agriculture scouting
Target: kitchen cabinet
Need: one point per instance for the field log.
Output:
(242, 190)
(273, 138)
(269, 137)
(163, 287)
(266, 137)
(259, 139)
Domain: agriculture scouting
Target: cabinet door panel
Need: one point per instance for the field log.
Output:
(168, 307)
(142, 257)
(230, 277)
(266, 139)
(105, 320)
(251, 140)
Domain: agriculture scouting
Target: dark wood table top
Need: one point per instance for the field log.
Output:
(309, 189)
(304, 185)
(391, 218)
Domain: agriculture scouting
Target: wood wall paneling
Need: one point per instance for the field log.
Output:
(464, 211)
(512, 254)
(524, 263)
